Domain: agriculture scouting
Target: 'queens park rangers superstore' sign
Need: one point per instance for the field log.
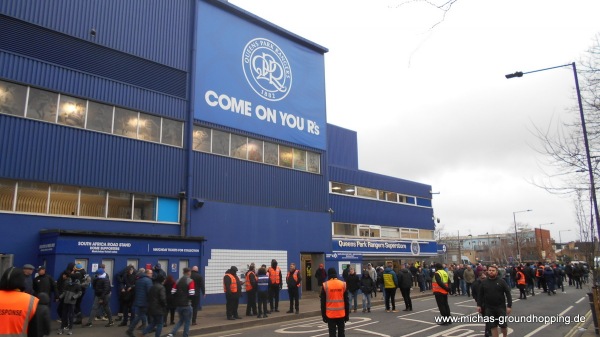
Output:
(415, 247)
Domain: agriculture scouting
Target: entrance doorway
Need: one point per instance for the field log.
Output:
(309, 263)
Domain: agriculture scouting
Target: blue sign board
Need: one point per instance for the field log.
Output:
(414, 248)
(342, 257)
(252, 79)
(87, 245)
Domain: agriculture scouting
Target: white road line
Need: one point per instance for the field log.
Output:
(372, 333)
(543, 326)
(583, 298)
(306, 320)
(421, 330)
(416, 320)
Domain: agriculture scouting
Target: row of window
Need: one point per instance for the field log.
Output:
(380, 232)
(246, 148)
(372, 193)
(65, 200)
(34, 103)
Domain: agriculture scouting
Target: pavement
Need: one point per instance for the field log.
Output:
(212, 319)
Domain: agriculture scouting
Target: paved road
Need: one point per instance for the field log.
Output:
(567, 307)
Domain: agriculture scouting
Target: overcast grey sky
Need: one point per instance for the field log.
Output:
(432, 105)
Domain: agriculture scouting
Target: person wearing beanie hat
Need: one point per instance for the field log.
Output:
(334, 313)
(233, 291)
(84, 280)
(251, 290)
(102, 291)
(275, 286)
(12, 298)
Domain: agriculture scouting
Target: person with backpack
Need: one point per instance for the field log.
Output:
(85, 282)
(72, 292)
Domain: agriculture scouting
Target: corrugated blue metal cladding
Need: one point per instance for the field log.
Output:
(244, 182)
(345, 143)
(39, 151)
(375, 212)
(155, 30)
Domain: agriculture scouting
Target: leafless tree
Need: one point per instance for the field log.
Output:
(563, 147)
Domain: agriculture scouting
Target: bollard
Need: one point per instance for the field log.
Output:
(593, 309)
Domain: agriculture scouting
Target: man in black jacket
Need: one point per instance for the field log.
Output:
(44, 283)
(405, 282)
(101, 286)
(200, 290)
(494, 295)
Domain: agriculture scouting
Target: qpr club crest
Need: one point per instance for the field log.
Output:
(267, 69)
(415, 248)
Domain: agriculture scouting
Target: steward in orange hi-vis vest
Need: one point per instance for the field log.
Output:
(335, 305)
(19, 312)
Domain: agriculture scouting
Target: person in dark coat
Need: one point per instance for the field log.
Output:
(367, 286)
(199, 292)
(353, 284)
(140, 302)
(157, 306)
(168, 285)
(101, 287)
(405, 282)
(127, 294)
(321, 275)
(475, 292)
(495, 300)
(44, 283)
(28, 271)
(550, 278)
(69, 297)
(44, 311)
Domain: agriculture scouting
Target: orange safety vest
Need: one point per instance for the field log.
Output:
(436, 287)
(521, 278)
(233, 286)
(539, 272)
(248, 283)
(274, 275)
(334, 298)
(16, 310)
(295, 276)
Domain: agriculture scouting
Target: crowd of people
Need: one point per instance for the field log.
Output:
(149, 299)
(146, 298)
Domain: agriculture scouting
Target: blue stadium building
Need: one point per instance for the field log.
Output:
(183, 133)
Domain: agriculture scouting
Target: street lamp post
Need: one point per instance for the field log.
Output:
(542, 238)
(459, 248)
(517, 234)
(584, 130)
(489, 247)
(559, 236)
